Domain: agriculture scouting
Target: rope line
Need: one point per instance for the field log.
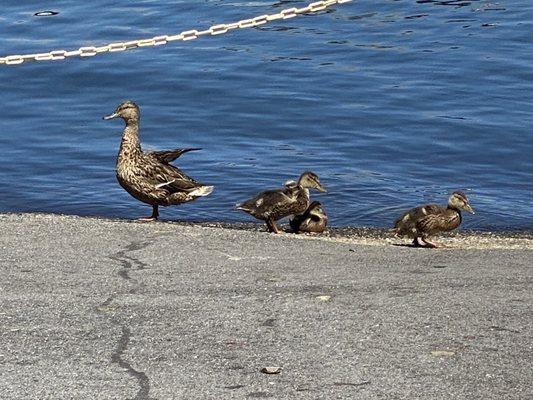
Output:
(90, 51)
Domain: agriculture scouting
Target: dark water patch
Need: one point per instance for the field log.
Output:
(454, 3)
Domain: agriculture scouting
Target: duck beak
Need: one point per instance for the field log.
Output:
(469, 209)
(114, 115)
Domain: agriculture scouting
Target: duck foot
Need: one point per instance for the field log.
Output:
(153, 217)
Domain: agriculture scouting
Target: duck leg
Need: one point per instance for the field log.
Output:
(272, 227)
(153, 217)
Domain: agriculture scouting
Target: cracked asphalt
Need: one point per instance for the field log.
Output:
(105, 309)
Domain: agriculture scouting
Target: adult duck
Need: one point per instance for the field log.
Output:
(149, 176)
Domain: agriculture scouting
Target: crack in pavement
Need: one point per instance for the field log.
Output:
(117, 358)
(128, 263)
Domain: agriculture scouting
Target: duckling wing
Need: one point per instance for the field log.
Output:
(313, 225)
(303, 225)
(441, 219)
(168, 156)
(406, 224)
(268, 203)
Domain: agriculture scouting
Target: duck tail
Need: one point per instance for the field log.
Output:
(201, 191)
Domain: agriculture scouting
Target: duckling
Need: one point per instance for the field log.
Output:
(313, 220)
(421, 222)
(272, 205)
(149, 176)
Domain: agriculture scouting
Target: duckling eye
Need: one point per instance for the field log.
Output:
(125, 106)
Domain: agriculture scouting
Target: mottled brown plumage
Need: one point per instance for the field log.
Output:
(313, 220)
(272, 205)
(421, 222)
(149, 176)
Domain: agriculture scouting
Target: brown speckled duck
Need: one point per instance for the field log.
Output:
(313, 220)
(272, 205)
(149, 176)
(421, 222)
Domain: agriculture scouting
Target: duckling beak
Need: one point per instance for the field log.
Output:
(114, 115)
(469, 209)
(321, 188)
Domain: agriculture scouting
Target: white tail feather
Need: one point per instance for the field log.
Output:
(201, 191)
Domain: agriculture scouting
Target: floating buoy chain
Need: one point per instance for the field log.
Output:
(91, 51)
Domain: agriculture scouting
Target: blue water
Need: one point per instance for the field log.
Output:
(392, 103)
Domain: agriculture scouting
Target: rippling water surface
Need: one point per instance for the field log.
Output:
(392, 103)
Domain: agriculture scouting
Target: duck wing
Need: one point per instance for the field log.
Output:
(167, 156)
(160, 175)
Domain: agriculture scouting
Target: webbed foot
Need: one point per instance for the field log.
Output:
(146, 219)
(151, 218)
(433, 245)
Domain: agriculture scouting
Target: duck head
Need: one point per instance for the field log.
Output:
(309, 180)
(128, 111)
(459, 201)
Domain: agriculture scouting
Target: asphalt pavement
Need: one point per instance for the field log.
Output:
(107, 309)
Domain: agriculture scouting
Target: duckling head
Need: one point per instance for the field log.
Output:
(315, 208)
(128, 111)
(458, 200)
(309, 180)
